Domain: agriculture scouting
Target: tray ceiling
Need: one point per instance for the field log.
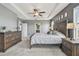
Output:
(22, 9)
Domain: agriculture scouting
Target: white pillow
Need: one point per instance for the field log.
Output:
(60, 34)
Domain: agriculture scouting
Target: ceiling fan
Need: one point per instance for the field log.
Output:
(36, 12)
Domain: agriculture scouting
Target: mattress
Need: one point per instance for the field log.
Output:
(41, 38)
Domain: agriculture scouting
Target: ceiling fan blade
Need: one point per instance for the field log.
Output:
(42, 12)
(40, 15)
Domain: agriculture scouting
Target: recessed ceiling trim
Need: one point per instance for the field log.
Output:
(19, 10)
(51, 11)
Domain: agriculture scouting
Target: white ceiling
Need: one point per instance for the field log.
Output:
(22, 9)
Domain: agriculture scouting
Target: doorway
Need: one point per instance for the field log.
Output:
(24, 31)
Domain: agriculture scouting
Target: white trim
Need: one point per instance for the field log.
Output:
(74, 23)
(18, 9)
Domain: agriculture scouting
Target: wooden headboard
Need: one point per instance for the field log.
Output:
(60, 26)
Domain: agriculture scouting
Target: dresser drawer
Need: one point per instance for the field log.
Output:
(9, 39)
(7, 45)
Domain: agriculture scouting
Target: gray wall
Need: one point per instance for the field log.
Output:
(31, 26)
(69, 9)
(8, 19)
(70, 16)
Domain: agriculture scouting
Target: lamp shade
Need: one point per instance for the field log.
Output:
(70, 26)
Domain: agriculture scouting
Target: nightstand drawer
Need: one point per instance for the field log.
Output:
(70, 47)
(67, 44)
(67, 51)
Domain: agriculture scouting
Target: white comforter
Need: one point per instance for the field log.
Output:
(41, 38)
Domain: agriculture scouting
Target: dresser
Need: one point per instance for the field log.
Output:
(8, 39)
(70, 47)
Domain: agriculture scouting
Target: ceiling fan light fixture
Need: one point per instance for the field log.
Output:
(36, 14)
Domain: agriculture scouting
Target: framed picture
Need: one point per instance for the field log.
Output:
(37, 27)
(61, 16)
(65, 15)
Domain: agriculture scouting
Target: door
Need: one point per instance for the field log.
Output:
(24, 31)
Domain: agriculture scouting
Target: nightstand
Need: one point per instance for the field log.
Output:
(70, 47)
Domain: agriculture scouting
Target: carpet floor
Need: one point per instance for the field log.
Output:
(22, 49)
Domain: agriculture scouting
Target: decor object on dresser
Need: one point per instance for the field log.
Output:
(8, 39)
(70, 47)
(2, 28)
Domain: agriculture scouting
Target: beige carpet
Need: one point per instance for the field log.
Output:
(21, 49)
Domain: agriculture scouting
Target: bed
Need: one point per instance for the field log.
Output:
(43, 38)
